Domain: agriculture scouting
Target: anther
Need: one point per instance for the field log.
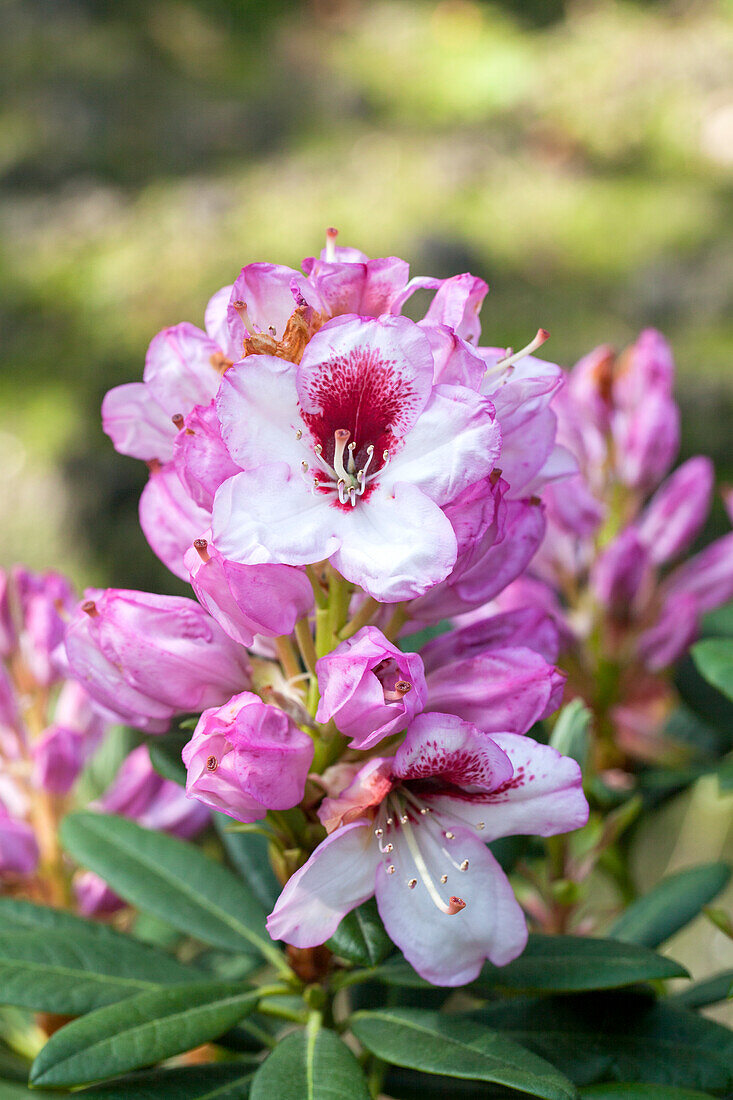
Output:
(304, 467)
(212, 764)
(90, 608)
(389, 847)
(404, 819)
(480, 824)
(379, 832)
(390, 869)
(449, 836)
(390, 821)
(272, 330)
(425, 810)
(298, 434)
(412, 883)
(443, 879)
(318, 449)
(178, 419)
(201, 548)
(464, 865)
(455, 905)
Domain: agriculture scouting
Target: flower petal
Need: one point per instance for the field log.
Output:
(136, 423)
(450, 950)
(337, 877)
(170, 519)
(179, 370)
(444, 747)
(257, 408)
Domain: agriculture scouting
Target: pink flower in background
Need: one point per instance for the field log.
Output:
(148, 657)
(246, 758)
(350, 457)
(370, 688)
(414, 831)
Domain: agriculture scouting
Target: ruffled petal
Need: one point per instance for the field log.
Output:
(257, 408)
(136, 423)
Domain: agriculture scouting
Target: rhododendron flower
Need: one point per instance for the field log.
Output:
(148, 657)
(248, 599)
(370, 688)
(351, 457)
(246, 758)
(413, 830)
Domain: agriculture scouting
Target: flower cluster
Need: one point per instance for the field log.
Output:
(49, 727)
(616, 531)
(331, 477)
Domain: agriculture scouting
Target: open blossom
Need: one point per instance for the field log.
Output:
(370, 688)
(413, 829)
(148, 657)
(350, 457)
(246, 758)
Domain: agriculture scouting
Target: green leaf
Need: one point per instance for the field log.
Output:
(641, 1092)
(672, 904)
(171, 879)
(618, 1036)
(570, 735)
(57, 973)
(141, 1031)
(713, 659)
(710, 991)
(13, 1090)
(219, 1081)
(456, 1047)
(248, 855)
(165, 756)
(557, 964)
(361, 937)
(16, 915)
(310, 1065)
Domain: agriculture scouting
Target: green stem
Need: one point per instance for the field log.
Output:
(367, 610)
(305, 644)
(318, 594)
(288, 657)
(396, 622)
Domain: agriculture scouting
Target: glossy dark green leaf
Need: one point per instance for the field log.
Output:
(569, 964)
(361, 937)
(637, 1091)
(56, 972)
(672, 904)
(140, 1031)
(219, 1081)
(17, 915)
(165, 756)
(711, 991)
(713, 659)
(619, 1036)
(171, 879)
(312, 1064)
(247, 853)
(457, 1047)
(14, 1090)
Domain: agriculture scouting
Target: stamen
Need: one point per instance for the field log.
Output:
(304, 467)
(451, 907)
(390, 869)
(241, 308)
(212, 764)
(464, 865)
(331, 235)
(480, 824)
(341, 489)
(449, 835)
(351, 464)
(443, 879)
(273, 331)
(514, 357)
(352, 496)
(379, 832)
(298, 433)
(201, 548)
(412, 883)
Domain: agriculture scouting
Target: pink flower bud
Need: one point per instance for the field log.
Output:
(202, 461)
(370, 688)
(58, 756)
(248, 599)
(647, 438)
(618, 572)
(647, 367)
(677, 511)
(170, 518)
(94, 898)
(142, 795)
(45, 599)
(671, 635)
(246, 758)
(148, 657)
(708, 576)
(18, 848)
(529, 627)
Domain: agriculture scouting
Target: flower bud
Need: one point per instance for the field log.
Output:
(647, 437)
(370, 688)
(18, 847)
(530, 627)
(708, 576)
(94, 898)
(618, 572)
(141, 794)
(148, 657)
(677, 511)
(248, 599)
(44, 600)
(246, 758)
(675, 630)
(58, 757)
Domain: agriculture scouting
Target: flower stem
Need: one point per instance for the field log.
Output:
(367, 610)
(305, 644)
(396, 622)
(288, 657)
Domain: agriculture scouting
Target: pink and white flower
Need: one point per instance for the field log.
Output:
(351, 457)
(413, 829)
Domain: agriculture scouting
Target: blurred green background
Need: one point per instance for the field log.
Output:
(579, 156)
